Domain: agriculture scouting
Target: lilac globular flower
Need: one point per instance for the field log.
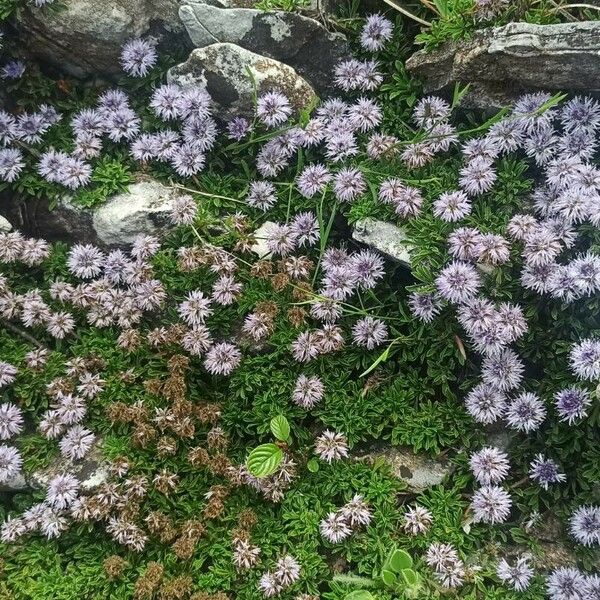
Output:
(584, 525)
(11, 164)
(10, 462)
(349, 184)
(306, 346)
(565, 583)
(458, 282)
(417, 520)
(424, 306)
(165, 101)
(477, 176)
(305, 228)
(262, 194)
(183, 210)
(195, 308)
(238, 128)
(76, 442)
(485, 403)
(138, 57)
(585, 359)
(313, 180)
(545, 471)
(8, 373)
(281, 239)
(273, 109)
(572, 404)
(518, 575)
(225, 290)
(334, 528)
(525, 413)
(493, 249)
(11, 420)
(452, 206)
(85, 261)
(503, 370)
(74, 173)
(357, 512)
(431, 110)
(187, 160)
(376, 31)
(368, 268)
(489, 465)
(330, 446)
(364, 115)
(62, 491)
(222, 359)
(308, 391)
(491, 504)
(464, 243)
(14, 69)
(369, 332)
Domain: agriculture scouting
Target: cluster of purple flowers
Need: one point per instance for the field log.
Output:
(286, 573)
(449, 569)
(342, 523)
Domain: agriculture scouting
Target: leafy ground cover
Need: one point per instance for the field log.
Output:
(232, 393)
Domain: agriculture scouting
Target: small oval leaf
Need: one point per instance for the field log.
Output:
(280, 428)
(400, 559)
(313, 465)
(264, 460)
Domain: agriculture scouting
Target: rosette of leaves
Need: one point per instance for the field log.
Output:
(397, 575)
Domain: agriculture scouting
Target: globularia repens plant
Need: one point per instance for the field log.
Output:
(180, 359)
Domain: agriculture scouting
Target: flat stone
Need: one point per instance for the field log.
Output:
(416, 470)
(230, 73)
(5, 225)
(143, 209)
(17, 483)
(501, 63)
(385, 237)
(296, 40)
(85, 37)
(260, 247)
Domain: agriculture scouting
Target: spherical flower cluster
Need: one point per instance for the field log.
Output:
(138, 56)
(518, 575)
(417, 520)
(286, 573)
(491, 504)
(330, 446)
(448, 568)
(584, 525)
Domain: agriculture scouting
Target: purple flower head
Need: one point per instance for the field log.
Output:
(485, 403)
(8, 128)
(76, 442)
(572, 404)
(85, 261)
(13, 69)
(334, 528)
(545, 471)
(11, 164)
(222, 359)
(313, 179)
(200, 132)
(238, 128)
(262, 194)
(452, 206)
(112, 100)
(424, 306)
(10, 462)
(305, 228)
(369, 332)
(458, 282)
(565, 583)
(518, 575)
(330, 446)
(31, 127)
(584, 525)
(376, 31)
(194, 103)
(431, 110)
(464, 243)
(332, 109)
(368, 268)
(364, 115)
(62, 491)
(491, 504)
(503, 370)
(195, 309)
(165, 101)
(281, 239)
(308, 391)
(349, 184)
(183, 210)
(138, 57)
(489, 465)
(187, 160)
(11, 420)
(525, 413)
(273, 109)
(477, 176)
(585, 359)
(580, 114)
(74, 173)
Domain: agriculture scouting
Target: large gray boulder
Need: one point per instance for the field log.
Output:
(230, 72)
(84, 37)
(143, 209)
(298, 41)
(501, 63)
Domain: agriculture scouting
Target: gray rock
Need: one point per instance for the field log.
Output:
(416, 470)
(385, 237)
(501, 63)
(91, 471)
(17, 483)
(223, 69)
(260, 247)
(85, 37)
(143, 209)
(5, 225)
(298, 41)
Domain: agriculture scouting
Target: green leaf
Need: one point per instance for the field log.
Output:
(399, 560)
(264, 460)
(313, 465)
(359, 595)
(280, 428)
(388, 578)
(410, 577)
